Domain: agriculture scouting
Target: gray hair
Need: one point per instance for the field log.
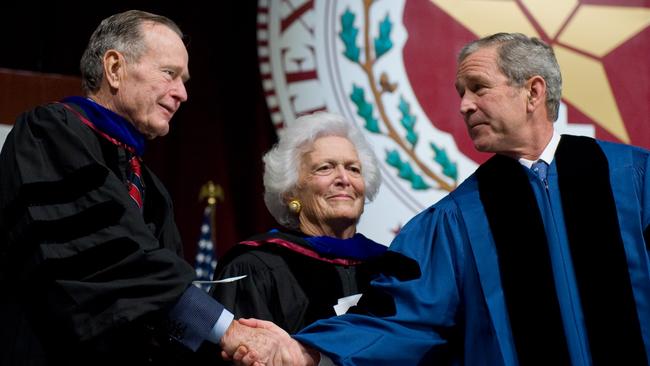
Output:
(521, 57)
(282, 162)
(121, 32)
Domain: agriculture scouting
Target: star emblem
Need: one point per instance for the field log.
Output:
(580, 34)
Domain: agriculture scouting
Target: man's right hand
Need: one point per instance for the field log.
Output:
(258, 342)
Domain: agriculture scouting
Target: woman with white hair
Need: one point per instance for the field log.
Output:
(317, 179)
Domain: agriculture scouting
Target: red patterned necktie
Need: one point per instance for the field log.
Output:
(134, 171)
(136, 188)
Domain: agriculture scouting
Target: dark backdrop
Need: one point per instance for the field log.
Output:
(219, 134)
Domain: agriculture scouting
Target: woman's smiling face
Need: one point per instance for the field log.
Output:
(330, 187)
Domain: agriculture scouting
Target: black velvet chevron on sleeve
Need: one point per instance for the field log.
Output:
(396, 265)
(376, 302)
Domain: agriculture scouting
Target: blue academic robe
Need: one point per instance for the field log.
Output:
(456, 311)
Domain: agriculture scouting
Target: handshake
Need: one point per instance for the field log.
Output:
(259, 342)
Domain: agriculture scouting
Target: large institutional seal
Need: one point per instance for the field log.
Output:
(389, 67)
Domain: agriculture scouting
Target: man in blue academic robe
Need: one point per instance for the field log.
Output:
(540, 257)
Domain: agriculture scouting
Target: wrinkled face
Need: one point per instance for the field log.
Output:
(330, 186)
(152, 88)
(494, 112)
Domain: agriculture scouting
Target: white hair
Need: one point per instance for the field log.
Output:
(282, 162)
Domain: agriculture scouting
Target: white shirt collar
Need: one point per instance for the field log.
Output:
(547, 154)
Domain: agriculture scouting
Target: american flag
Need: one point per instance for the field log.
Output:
(206, 259)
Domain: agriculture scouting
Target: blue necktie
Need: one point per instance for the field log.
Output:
(541, 169)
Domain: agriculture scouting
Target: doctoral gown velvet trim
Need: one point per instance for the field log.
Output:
(349, 251)
(66, 216)
(286, 281)
(595, 243)
(598, 253)
(460, 310)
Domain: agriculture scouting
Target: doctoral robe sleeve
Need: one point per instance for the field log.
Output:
(82, 255)
(426, 307)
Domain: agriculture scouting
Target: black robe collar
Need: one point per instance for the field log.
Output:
(596, 248)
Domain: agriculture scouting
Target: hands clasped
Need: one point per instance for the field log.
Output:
(259, 342)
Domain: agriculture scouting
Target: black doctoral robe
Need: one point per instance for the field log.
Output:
(286, 281)
(86, 277)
